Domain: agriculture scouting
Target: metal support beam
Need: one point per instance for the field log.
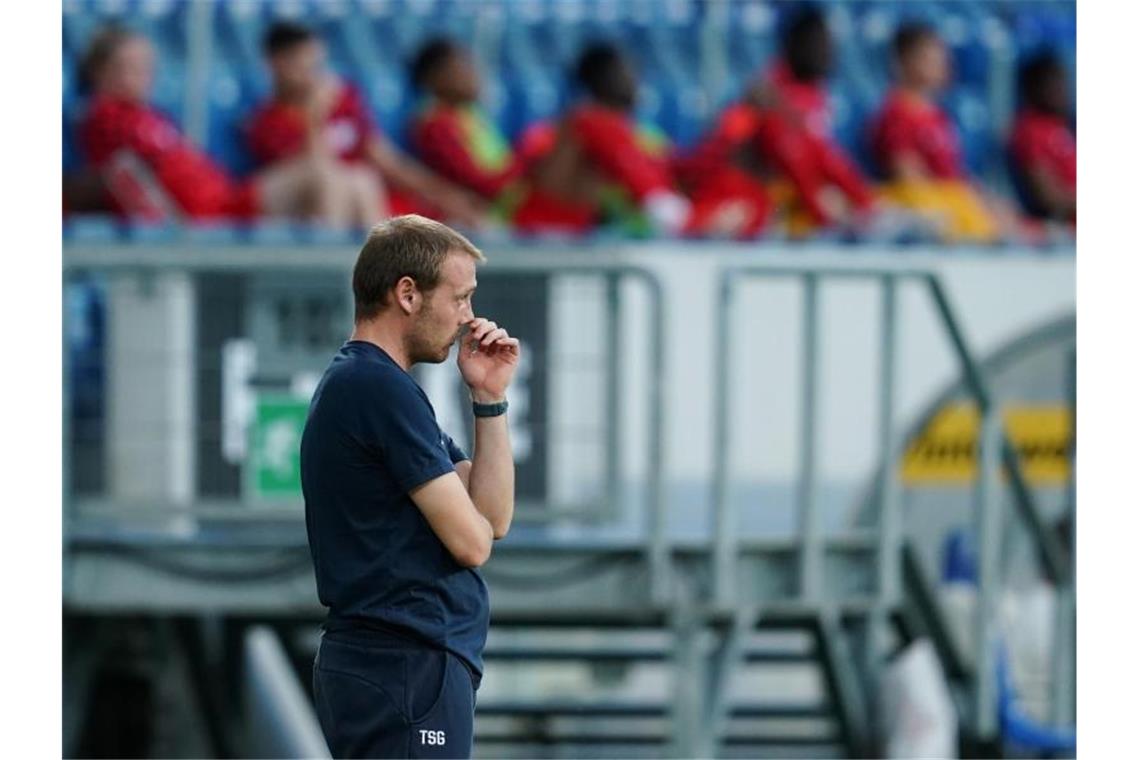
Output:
(724, 518)
(279, 710)
(1064, 676)
(660, 578)
(726, 657)
(988, 522)
(614, 357)
(1053, 557)
(847, 696)
(689, 679)
(888, 554)
(810, 562)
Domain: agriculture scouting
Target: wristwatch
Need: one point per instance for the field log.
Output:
(489, 410)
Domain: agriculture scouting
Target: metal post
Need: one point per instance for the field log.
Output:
(725, 659)
(689, 677)
(614, 355)
(809, 519)
(988, 522)
(889, 518)
(1064, 625)
(1053, 557)
(889, 548)
(724, 525)
(278, 705)
(659, 578)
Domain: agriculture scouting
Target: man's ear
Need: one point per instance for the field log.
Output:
(408, 296)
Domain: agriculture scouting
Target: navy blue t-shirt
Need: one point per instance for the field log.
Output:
(370, 438)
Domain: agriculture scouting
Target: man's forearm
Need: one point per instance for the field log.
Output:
(492, 481)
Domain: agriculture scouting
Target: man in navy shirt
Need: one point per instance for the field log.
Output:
(398, 518)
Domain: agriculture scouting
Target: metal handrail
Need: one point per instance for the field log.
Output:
(1054, 558)
(995, 453)
(181, 257)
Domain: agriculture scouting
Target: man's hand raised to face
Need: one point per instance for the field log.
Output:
(488, 357)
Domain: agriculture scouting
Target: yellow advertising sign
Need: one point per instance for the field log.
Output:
(946, 450)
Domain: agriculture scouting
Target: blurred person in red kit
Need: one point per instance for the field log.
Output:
(1043, 145)
(916, 146)
(152, 171)
(599, 157)
(452, 135)
(814, 183)
(312, 111)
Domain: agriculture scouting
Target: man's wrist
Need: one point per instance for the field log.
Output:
(482, 397)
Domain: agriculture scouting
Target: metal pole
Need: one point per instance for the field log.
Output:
(658, 548)
(689, 678)
(280, 711)
(1064, 626)
(809, 518)
(614, 354)
(724, 526)
(1053, 557)
(988, 522)
(890, 535)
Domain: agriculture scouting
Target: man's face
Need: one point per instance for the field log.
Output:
(129, 73)
(811, 58)
(621, 90)
(928, 65)
(1055, 92)
(458, 78)
(444, 311)
(297, 70)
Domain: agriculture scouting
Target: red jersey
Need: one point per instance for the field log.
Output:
(712, 174)
(907, 125)
(1043, 140)
(460, 144)
(195, 183)
(277, 130)
(625, 154)
(794, 136)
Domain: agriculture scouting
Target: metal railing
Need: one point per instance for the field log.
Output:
(997, 454)
(150, 261)
(726, 548)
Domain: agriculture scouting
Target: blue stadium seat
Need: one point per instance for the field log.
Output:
(532, 99)
(91, 228)
(212, 234)
(972, 117)
(529, 47)
(751, 36)
(238, 30)
(851, 118)
(685, 114)
(230, 106)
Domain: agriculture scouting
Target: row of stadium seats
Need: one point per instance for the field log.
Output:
(693, 56)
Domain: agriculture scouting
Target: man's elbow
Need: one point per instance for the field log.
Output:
(474, 554)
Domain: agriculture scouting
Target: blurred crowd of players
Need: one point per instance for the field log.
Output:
(767, 165)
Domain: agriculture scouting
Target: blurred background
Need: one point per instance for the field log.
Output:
(794, 428)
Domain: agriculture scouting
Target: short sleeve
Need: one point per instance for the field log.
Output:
(273, 135)
(457, 454)
(398, 422)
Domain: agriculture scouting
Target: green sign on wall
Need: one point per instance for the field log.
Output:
(274, 464)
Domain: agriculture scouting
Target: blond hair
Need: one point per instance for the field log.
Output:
(403, 246)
